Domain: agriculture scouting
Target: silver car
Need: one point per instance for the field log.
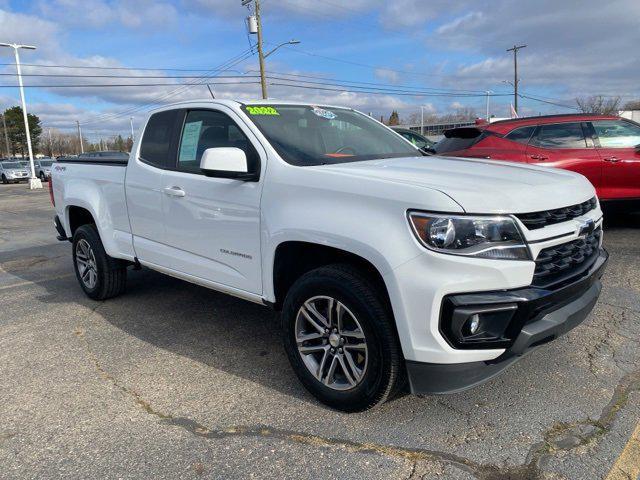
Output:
(13, 172)
(43, 168)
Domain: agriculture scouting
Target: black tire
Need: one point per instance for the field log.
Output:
(111, 273)
(43, 177)
(4, 179)
(384, 370)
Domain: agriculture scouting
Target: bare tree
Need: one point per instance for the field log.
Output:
(599, 104)
(632, 105)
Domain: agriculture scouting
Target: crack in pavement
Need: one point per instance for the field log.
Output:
(561, 437)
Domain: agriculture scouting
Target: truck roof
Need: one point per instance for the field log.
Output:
(236, 103)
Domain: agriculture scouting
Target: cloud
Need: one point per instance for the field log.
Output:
(390, 76)
(572, 50)
(98, 13)
(336, 9)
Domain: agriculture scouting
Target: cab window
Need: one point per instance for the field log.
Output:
(205, 129)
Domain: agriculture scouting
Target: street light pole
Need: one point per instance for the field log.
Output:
(6, 137)
(488, 92)
(131, 121)
(421, 119)
(80, 136)
(515, 74)
(34, 182)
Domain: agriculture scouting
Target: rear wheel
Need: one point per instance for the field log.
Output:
(99, 275)
(4, 179)
(341, 339)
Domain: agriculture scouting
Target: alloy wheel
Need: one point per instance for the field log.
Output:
(331, 342)
(86, 263)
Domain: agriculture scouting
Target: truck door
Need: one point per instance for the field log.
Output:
(566, 145)
(212, 225)
(143, 184)
(619, 148)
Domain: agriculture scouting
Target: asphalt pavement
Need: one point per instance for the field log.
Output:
(173, 380)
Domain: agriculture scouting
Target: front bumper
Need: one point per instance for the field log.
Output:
(541, 316)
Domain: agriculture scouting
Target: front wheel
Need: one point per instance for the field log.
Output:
(4, 179)
(99, 275)
(43, 177)
(341, 339)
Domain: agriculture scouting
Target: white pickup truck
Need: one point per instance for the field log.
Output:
(392, 270)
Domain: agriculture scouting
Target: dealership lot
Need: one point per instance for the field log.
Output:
(175, 380)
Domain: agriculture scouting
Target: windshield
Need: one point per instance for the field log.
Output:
(11, 165)
(309, 135)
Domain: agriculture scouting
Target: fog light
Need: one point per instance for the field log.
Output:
(474, 324)
(482, 326)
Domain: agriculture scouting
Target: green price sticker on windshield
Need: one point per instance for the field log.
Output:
(262, 111)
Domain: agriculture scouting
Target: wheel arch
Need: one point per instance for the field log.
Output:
(76, 216)
(294, 258)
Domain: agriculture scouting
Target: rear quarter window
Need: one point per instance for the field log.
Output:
(459, 139)
(158, 146)
(521, 134)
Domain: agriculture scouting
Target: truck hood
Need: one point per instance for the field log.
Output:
(479, 186)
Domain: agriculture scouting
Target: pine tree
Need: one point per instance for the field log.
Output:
(394, 118)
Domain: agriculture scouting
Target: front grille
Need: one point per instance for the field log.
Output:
(556, 264)
(548, 217)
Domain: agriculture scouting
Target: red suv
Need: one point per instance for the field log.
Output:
(605, 149)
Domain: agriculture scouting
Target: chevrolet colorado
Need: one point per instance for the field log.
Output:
(392, 270)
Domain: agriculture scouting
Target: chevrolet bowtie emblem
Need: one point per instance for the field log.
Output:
(586, 228)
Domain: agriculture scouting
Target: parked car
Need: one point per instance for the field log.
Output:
(104, 155)
(605, 149)
(385, 267)
(42, 168)
(13, 172)
(420, 141)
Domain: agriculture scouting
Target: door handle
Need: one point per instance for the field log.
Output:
(174, 192)
(538, 157)
(612, 159)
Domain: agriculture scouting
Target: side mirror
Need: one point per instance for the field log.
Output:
(226, 162)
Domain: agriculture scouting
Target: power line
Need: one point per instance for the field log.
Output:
(348, 87)
(93, 67)
(548, 102)
(75, 75)
(221, 68)
(121, 85)
(374, 83)
(378, 67)
(171, 77)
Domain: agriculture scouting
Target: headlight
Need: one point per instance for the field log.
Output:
(496, 237)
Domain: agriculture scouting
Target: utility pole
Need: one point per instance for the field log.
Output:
(421, 119)
(6, 137)
(257, 29)
(50, 144)
(515, 74)
(131, 121)
(263, 81)
(34, 182)
(80, 136)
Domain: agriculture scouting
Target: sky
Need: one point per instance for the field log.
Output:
(373, 55)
